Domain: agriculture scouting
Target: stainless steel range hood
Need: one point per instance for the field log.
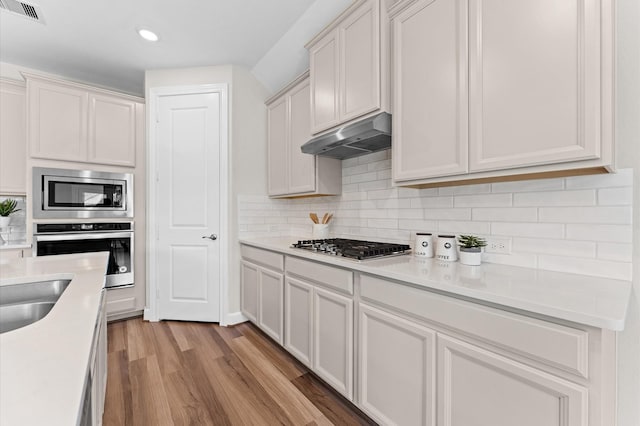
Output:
(367, 135)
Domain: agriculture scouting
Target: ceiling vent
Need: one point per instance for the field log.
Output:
(26, 10)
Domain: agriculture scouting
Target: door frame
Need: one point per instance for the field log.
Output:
(155, 94)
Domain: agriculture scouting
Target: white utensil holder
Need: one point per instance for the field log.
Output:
(320, 231)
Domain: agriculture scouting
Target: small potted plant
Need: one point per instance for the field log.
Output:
(471, 249)
(7, 207)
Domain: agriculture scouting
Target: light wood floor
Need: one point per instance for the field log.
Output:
(183, 373)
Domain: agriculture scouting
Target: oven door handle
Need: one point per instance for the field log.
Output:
(80, 236)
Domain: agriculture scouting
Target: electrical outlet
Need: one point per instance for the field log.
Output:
(498, 245)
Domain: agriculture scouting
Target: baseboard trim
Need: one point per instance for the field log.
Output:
(234, 318)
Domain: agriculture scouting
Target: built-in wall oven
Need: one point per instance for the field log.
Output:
(67, 238)
(79, 194)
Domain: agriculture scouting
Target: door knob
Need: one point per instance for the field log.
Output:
(212, 237)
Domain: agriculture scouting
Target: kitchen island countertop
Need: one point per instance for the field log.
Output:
(43, 366)
(588, 300)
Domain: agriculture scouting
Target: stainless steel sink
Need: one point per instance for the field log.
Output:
(24, 304)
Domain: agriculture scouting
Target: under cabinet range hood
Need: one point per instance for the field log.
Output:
(362, 137)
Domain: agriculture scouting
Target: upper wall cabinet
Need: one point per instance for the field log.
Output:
(74, 122)
(292, 173)
(529, 93)
(13, 139)
(348, 62)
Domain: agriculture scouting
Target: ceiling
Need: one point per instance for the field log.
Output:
(96, 41)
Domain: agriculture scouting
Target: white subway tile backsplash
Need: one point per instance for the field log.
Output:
(604, 215)
(487, 200)
(615, 196)
(554, 247)
(462, 227)
(447, 214)
(579, 224)
(556, 198)
(541, 230)
(513, 214)
(604, 233)
(615, 251)
(528, 185)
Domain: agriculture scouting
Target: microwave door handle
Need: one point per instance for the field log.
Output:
(81, 236)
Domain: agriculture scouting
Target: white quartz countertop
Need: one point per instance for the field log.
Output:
(593, 301)
(43, 366)
(15, 245)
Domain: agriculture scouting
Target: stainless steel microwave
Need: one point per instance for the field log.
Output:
(78, 194)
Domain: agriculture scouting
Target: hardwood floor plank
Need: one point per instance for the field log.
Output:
(298, 408)
(150, 404)
(193, 363)
(140, 341)
(117, 404)
(237, 397)
(286, 363)
(117, 336)
(186, 404)
(166, 348)
(181, 373)
(334, 407)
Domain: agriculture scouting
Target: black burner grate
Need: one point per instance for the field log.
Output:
(355, 249)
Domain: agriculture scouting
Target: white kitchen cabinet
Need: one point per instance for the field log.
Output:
(13, 138)
(15, 253)
(291, 172)
(73, 122)
(262, 290)
(430, 90)
(347, 62)
(396, 362)
(333, 340)
(477, 387)
(298, 319)
(529, 94)
(319, 320)
(112, 130)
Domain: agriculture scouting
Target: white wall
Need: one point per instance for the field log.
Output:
(288, 58)
(247, 143)
(628, 140)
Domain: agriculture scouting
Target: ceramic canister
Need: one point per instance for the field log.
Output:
(424, 245)
(446, 248)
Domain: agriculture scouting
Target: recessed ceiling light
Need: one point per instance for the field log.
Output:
(148, 34)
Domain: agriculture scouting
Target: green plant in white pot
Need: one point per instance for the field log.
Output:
(471, 249)
(7, 207)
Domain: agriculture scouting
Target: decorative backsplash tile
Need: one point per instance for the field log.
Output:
(17, 231)
(578, 224)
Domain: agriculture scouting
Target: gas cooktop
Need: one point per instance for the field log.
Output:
(353, 249)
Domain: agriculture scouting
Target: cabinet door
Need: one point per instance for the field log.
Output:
(271, 299)
(478, 388)
(323, 63)
(249, 291)
(360, 62)
(302, 167)
(333, 340)
(430, 90)
(397, 369)
(13, 139)
(57, 121)
(112, 130)
(535, 82)
(278, 134)
(298, 319)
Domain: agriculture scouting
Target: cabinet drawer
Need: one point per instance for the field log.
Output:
(263, 257)
(554, 344)
(330, 276)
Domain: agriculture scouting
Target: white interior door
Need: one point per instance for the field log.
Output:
(188, 206)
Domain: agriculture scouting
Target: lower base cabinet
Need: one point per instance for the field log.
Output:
(319, 332)
(477, 387)
(396, 369)
(262, 298)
